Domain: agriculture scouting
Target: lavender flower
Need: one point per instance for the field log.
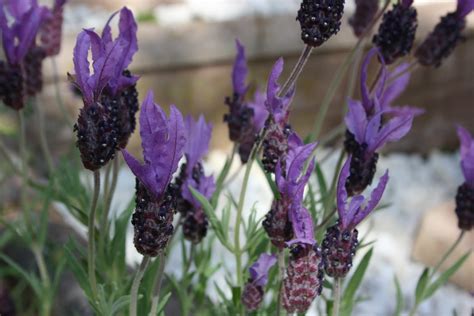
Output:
(245, 119)
(340, 241)
(51, 30)
(163, 143)
(363, 16)
(465, 193)
(275, 144)
(192, 175)
(446, 35)
(304, 274)
(252, 295)
(374, 121)
(319, 20)
(20, 74)
(110, 98)
(397, 31)
(290, 183)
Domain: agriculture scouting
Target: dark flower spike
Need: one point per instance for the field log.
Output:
(350, 215)
(446, 35)
(363, 16)
(465, 194)
(290, 181)
(397, 31)
(51, 30)
(252, 295)
(163, 142)
(340, 241)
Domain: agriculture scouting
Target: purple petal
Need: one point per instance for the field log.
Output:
(467, 154)
(396, 87)
(375, 198)
(464, 7)
(197, 140)
(393, 130)
(17, 8)
(356, 120)
(278, 106)
(366, 100)
(239, 71)
(29, 24)
(259, 270)
(294, 141)
(341, 193)
(296, 159)
(302, 223)
(352, 210)
(107, 32)
(206, 187)
(260, 113)
(8, 38)
(81, 66)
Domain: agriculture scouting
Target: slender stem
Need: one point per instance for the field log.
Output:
(448, 253)
(91, 226)
(57, 90)
(37, 252)
(337, 296)
(110, 194)
(42, 136)
(24, 170)
(158, 281)
(331, 92)
(136, 285)
(8, 159)
(295, 73)
(281, 275)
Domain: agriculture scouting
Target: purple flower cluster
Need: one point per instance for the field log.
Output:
(198, 136)
(465, 193)
(252, 295)
(373, 121)
(110, 98)
(21, 73)
(245, 118)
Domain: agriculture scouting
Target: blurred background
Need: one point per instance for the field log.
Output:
(186, 51)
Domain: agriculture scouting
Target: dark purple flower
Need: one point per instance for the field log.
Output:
(51, 30)
(20, 74)
(192, 175)
(291, 183)
(110, 98)
(446, 35)
(319, 20)
(363, 16)
(397, 31)
(163, 142)
(465, 193)
(340, 241)
(245, 118)
(374, 121)
(275, 144)
(252, 295)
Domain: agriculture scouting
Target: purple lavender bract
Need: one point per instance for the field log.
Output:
(110, 98)
(163, 142)
(340, 241)
(465, 193)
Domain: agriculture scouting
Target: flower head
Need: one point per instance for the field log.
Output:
(163, 142)
(253, 293)
(245, 118)
(467, 155)
(352, 212)
(363, 16)
(51, 30)
(442, 41)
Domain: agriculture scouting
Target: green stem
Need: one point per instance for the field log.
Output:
(57, 90)
(158, 281)
(24, 171)
(448, 253)
(42, 136)
(8, 159)
(136, 285)
(337, 296)
(38, 253)
(109, 195)
(281, 275)
(91, 227)
(295, 73)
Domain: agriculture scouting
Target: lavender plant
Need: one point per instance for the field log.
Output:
(302, 252)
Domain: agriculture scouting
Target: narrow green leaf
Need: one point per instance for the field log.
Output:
(399, 306)
(163, 301)
(78, 271)
(119, 304)
(271, 183)
(421, 285)
(354, 283)
(323, 188)
(30, 278)
(444, 277)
